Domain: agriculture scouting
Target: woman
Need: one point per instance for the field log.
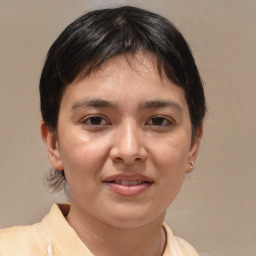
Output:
(122, 106)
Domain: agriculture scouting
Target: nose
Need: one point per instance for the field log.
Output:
(128, 144)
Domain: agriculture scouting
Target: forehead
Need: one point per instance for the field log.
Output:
(125, 76)
(141, 61)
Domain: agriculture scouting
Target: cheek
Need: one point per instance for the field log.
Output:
(83, 156)
(171, 153)
(82, 166)
(171, 162)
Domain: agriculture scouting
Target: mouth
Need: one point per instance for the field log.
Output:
(128, 182)
(128, 185)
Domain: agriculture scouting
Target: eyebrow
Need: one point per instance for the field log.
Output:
(161, 104)
(93, 103)
(150, 104)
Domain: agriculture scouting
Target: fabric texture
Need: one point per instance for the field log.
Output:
(53, 236)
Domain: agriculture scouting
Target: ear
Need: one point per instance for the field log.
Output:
(50, 139)
(194, 150)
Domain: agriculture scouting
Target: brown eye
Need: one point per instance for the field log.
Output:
(95, 120)
(159, 121)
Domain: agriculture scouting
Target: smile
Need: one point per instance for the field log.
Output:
(128, 185)
(129, 182)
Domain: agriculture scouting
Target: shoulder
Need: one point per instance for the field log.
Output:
(175, 244)
(33, 239)
(185, 247)
(15, 235)
(21, 240)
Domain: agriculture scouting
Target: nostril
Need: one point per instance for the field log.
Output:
(127, 152)
(118, 159)
(128, 160)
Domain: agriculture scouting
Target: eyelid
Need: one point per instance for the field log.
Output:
(87, 118)
(168, 119)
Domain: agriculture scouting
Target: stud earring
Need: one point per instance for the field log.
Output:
(191, 164)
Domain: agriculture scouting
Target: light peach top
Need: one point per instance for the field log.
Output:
(54, 236)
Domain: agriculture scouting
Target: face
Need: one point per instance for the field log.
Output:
(124, 142)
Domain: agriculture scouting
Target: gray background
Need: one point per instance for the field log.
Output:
(216, 208)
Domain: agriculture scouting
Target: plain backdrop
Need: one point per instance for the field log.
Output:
(216, 208)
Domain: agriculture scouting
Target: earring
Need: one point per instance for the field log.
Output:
(191, 164)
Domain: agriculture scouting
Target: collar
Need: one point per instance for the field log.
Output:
(63, 240)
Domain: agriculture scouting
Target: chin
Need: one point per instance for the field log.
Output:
(128, 222)
(133, 218)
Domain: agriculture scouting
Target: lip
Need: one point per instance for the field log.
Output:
(128, 190)
(127, 177)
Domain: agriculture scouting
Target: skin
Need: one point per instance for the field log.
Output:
(142, 127)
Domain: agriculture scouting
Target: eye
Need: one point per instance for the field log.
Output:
(159, 121)
(95, 120)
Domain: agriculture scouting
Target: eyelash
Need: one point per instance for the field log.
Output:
(99, 119)
(166, 121)
(88, 120)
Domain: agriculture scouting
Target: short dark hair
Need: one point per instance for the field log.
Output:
(102, 34)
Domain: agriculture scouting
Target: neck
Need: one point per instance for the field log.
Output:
(98, 236)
